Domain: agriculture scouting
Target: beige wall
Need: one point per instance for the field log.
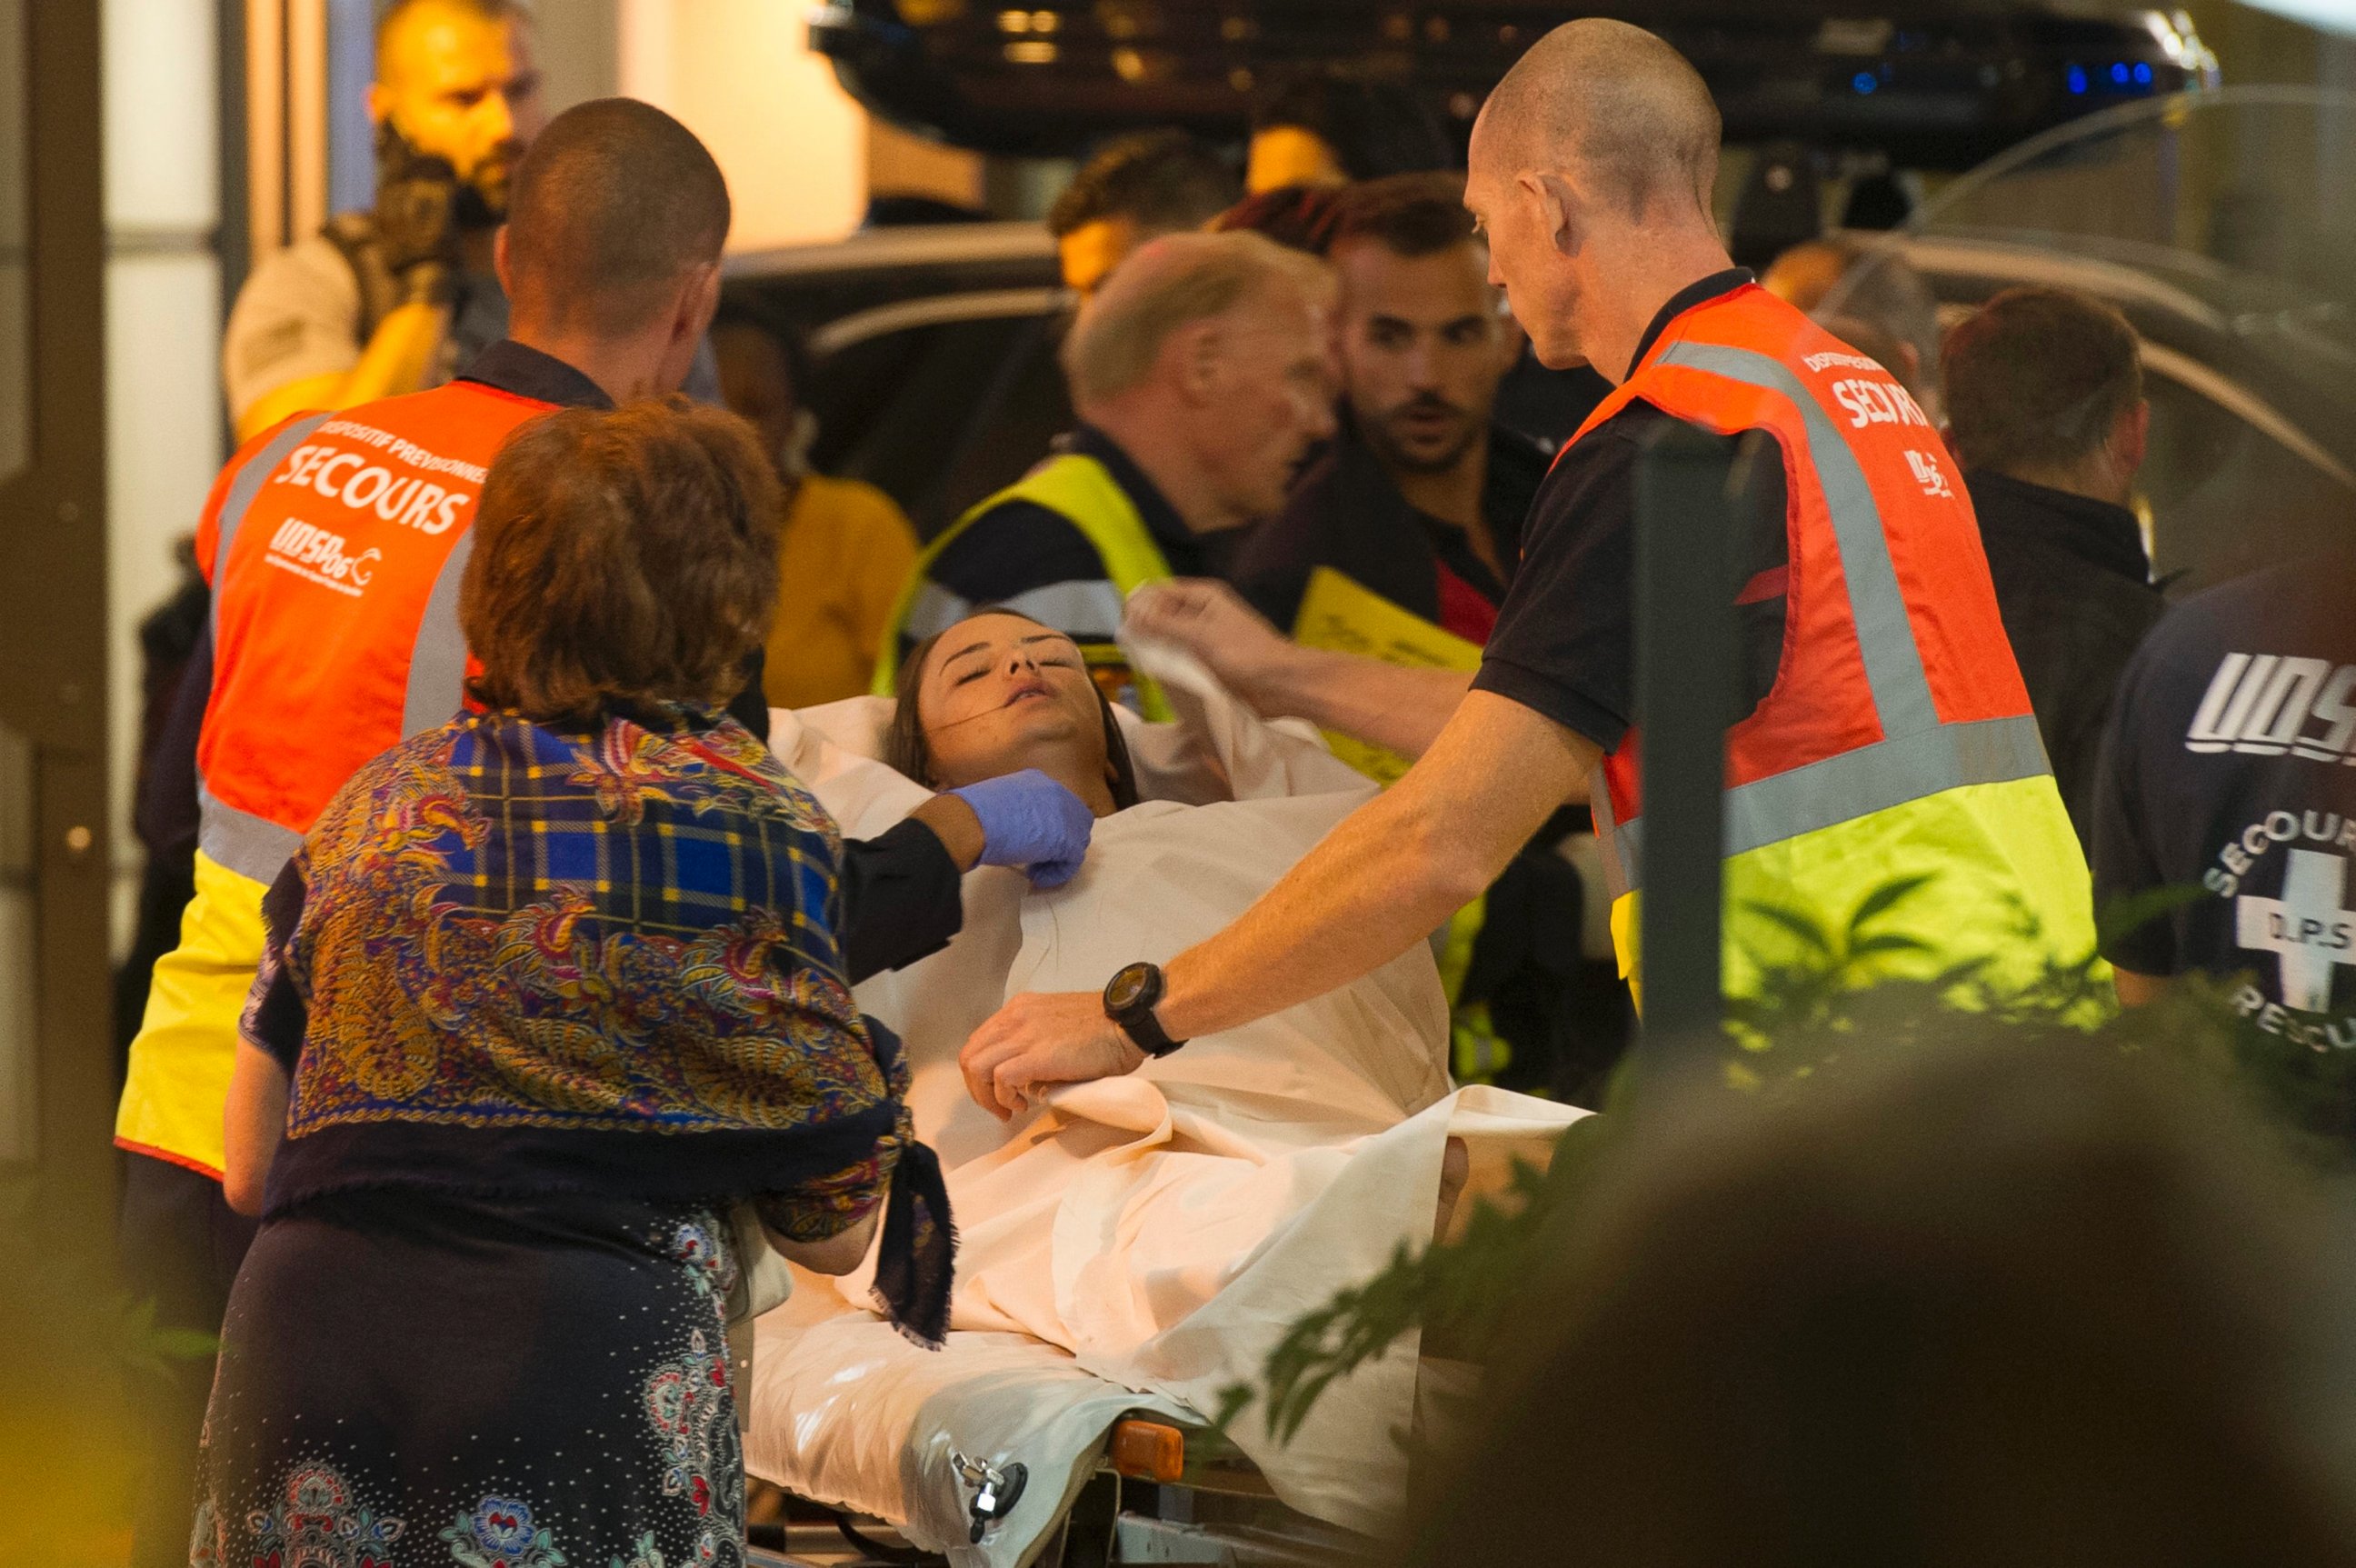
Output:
(739, 74)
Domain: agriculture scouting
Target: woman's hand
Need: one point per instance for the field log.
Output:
(1040, 1039)
(837, 1254)
(1214, 623)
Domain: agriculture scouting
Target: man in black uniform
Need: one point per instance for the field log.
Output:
(2231, 764)
(2047, 417)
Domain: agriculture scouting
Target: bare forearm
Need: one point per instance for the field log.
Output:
(1388, 705)
(1379, 882)
(1388, 874)
(254, 1123)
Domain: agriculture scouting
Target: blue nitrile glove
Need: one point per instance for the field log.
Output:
(1031, 822)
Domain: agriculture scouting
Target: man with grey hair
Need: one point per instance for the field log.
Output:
(1201, 375)
(1886, 733)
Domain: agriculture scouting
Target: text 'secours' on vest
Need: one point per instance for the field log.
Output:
(1897, 740)
(335, 544)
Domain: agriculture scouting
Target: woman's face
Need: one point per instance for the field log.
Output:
(1000, 694)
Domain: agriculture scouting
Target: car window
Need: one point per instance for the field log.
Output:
(942, 414)
(2226, 498)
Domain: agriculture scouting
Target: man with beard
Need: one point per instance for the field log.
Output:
(398, 299)
(1421, 499)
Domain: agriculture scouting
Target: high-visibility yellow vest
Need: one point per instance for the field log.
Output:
(1897, 740)
(1082, 492)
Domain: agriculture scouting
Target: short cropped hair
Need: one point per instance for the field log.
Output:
(1619, 101)
(2037, 379)
(1375, 128)
(1411, 215)
(614, 203)
(1173, 282)
(1162, 180)
(621, 553)
(396, 12)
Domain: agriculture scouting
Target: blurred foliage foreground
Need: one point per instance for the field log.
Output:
(1823, 1005)
(76, 1353)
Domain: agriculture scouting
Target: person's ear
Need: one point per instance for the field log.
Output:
(1201, 351)
(1559, 209)
(2131, 441)
(379, 102)
(698, 302)
(499, 260)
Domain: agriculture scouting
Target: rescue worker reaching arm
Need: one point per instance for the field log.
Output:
(397, 299)
(1893, 736)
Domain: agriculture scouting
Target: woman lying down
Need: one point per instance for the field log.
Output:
(1163, 1226)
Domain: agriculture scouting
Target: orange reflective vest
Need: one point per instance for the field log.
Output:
(1897, 738)
(335, 543)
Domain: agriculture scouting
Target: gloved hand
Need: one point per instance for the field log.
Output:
(416, 218)
(1031, 822)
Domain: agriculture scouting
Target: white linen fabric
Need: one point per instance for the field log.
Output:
(1162, 1229)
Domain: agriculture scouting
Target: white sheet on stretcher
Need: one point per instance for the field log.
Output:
(1158, 1232)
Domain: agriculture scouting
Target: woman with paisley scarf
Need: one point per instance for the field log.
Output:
(548, 991)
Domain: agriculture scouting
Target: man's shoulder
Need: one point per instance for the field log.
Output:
(1011, 548)
(311, 273)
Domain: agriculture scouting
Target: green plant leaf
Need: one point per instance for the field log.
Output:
(1886, 896)
(1802, 926)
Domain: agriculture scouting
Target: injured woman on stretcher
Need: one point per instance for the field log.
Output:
(1139, 1242)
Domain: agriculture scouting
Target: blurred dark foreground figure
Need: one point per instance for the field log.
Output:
(1978, 1306)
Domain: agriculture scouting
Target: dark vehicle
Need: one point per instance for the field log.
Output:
(1939, 86)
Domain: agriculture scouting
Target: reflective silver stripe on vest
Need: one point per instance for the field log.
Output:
(1920, 756)
(437, 660)
(242, 493)
(251, 846)
(1877, 605)
(1085, 608)
(1854, 784)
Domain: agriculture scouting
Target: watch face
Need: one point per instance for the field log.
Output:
(1128, 987)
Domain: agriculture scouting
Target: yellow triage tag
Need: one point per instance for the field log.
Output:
(1339, 614)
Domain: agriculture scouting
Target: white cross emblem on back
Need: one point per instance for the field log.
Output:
(2305, 928)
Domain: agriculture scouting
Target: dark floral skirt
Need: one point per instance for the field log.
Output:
(410, 1380)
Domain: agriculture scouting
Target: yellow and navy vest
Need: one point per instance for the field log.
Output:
(1082, 491)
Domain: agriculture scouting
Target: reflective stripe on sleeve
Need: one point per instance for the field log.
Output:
(1877, 605)
(242, 493)
(437, 662)
(254, 847)
(1842, 789)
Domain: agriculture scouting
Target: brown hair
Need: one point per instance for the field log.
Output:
(2037, 379)
(1163, 180)
(906, 750)
(625, 552)
(615, 203)
(1411, 215)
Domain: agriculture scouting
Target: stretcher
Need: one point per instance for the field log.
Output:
(998, 1451)
(1139, 1245)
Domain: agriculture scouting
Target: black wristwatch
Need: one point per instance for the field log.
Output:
(1130, 998)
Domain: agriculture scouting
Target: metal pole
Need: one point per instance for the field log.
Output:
(1684, 696)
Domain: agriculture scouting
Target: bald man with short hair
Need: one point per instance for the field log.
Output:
(1885, 732)
(1202, 373)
